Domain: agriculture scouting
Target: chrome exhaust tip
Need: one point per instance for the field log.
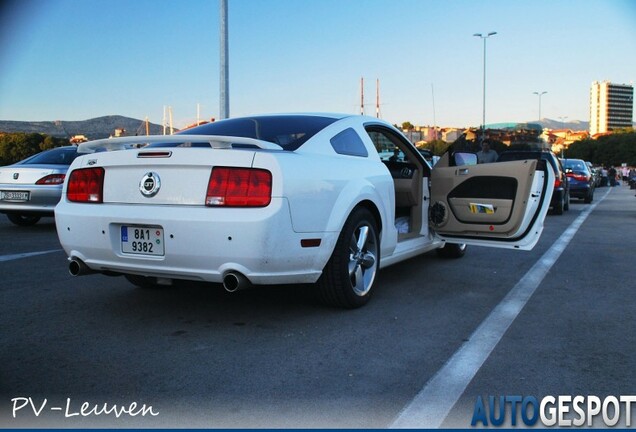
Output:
(77, 268)
(234, 281)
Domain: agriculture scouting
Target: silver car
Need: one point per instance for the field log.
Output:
(31, 188)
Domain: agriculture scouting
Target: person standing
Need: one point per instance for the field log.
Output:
(611, 173)
(625, 174)
(486, 155)
(604, 176)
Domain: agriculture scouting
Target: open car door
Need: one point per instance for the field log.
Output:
(500, 204)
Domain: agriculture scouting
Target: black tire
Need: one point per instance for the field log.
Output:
(566, 204)
(452, 250)
(347, 279)
(22, 219)
(588, 198)
(558, 209)
(144, 282)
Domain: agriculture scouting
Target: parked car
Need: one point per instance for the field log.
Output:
(581, 180)
(31, 188)
(286, 199)
(596, 174)
(561, 194)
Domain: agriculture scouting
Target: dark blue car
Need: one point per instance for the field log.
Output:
(581, 180)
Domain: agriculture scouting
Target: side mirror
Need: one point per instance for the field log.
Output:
(462, 159)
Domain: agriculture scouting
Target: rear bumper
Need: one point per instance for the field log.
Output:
(580, 191)
(201, 243)
(42, 199)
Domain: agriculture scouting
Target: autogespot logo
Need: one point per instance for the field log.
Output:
(562, 410)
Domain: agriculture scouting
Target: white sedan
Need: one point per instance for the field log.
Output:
(285, 199)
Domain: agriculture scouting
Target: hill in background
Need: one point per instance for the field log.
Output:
(575, 125)
(103, 127)
(96, 128)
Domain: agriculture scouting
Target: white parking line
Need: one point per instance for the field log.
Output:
(431, 405)
(25, 255)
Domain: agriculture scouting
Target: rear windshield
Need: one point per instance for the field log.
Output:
(288, 131)
(58, 156)
(575, 165)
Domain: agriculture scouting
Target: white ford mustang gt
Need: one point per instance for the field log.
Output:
(280, 199)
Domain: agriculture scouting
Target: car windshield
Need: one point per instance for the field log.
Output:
(58, 156)
(288, 131)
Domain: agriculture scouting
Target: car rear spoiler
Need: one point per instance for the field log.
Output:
(215, 141)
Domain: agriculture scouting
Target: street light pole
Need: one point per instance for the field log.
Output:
(483, 122)
(540, 94)
(224, 91)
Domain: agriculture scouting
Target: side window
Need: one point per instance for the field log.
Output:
(348, 142)
(387, 150)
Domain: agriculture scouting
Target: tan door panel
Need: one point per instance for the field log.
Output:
(487, 198)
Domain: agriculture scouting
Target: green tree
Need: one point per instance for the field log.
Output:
(407, 125)
(17, 146)
(614, 149)
(437, 147)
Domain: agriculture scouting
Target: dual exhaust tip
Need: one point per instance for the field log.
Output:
(77, 267)
(235, 281)
(232, 281)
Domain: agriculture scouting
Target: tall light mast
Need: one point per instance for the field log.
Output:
(224, 94)
(377, 98)
(362, 96)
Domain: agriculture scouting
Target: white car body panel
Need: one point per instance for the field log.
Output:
(314, 190)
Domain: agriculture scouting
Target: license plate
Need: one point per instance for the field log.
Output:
(14, 195)
(142, 240)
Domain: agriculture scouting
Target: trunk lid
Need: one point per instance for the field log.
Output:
(176, 176)
(21, 175)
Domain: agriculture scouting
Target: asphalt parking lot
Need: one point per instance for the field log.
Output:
(273, 358)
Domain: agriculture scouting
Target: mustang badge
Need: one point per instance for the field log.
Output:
(150, 184)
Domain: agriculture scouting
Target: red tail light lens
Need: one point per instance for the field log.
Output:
(239, 187)
(557, 183)
(86, 185)
(579, 177)
(53, 179)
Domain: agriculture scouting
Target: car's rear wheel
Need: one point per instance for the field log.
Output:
(22, 219)
(566, 203)
(558, 208)
(589, 197)
(348, 277)
(452, 250)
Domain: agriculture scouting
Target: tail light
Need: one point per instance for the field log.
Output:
(579, 177)
(86, 185)
(239, 187)
(53, 179)
(557, 183)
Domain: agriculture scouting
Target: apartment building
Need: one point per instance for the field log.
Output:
(611, 106)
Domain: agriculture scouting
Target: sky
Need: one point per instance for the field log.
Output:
(80, 59)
